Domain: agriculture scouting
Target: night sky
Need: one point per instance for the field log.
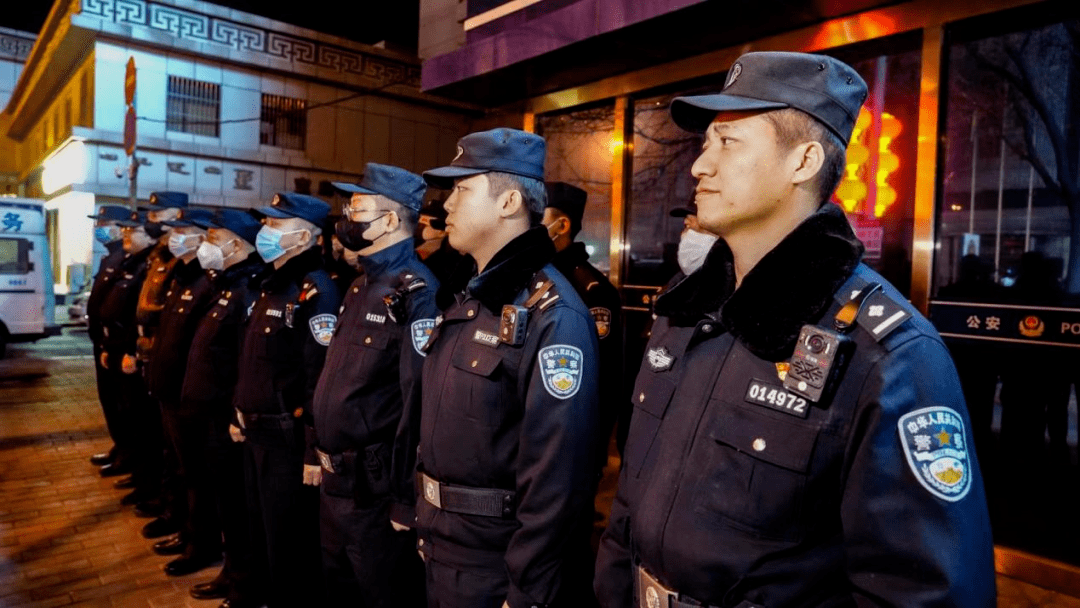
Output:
(368, 21)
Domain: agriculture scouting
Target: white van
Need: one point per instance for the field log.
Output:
(26, 283)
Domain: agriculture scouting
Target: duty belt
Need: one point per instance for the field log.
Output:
(468, 501)
(338, 464)
(262, 420)
(652, 594)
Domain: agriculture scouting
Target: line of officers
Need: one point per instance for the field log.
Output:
(432, 431)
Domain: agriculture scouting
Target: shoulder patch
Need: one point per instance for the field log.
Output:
(659, 359)
(602, 316)
(880, 315)
(937, 451)
(322, 328)
(560, 367)
(420, 330)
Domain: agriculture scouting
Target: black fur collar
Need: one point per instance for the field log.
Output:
(510, 271)
(791, 286)
(294, 270)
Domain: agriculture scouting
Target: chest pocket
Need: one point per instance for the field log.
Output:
(652, 394)
(483, 384)
(374, 348)
(756, 472)
(275, 336)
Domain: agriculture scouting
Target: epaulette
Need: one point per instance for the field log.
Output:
(408, 283)
(308, 290)
(543, 294)
(880, 315)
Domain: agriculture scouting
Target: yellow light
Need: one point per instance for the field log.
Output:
(616, 144)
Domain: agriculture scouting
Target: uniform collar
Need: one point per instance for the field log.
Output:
(791, 286)
(114, 246)
(247, 267)
(388, 260)
(510, 270)
(294, 270)
(571, 257)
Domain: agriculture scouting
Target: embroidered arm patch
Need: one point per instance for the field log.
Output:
(560, 366)
(322, 328)
(937, 451)
(602, 316)
(420, 330)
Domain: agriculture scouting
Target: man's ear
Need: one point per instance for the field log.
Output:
(393, 221)
(563, 225)
(807, 159)
(510, 203)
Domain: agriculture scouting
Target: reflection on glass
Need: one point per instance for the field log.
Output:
(1007, 268)
(580, 146)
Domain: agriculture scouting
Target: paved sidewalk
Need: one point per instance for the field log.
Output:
(64, 538)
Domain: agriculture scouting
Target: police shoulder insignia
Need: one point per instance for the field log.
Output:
(936, 448)
(659, 359)
(322, 328)
(602, 316)
(560, 366)
(420, 330)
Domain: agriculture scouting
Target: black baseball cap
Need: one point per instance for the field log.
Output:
(191, 217)
(502, 150)
(293, 204)
(239, 222)
(395, 183)
(570, 200)
(167, 200)
(114, 213)
(826, 88)
(685, 210)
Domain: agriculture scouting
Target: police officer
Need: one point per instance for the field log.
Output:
(107, 232)
(186, 301)
(119, 334)
(284, 346)
(799, 436)
(509, 416)
(435, 249)
(372, 366)
(158, 470)
(216, 471)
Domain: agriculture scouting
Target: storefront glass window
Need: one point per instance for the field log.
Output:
(1007, 265)
(580, 146)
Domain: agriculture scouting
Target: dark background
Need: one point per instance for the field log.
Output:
(367, 21)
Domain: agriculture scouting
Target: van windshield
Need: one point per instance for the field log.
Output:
(14, 257)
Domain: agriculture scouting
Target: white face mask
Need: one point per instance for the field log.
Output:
(211, 257)
(693, 247)
(183, 244)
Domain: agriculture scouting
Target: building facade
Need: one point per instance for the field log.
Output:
(963, 181)
(229, 107)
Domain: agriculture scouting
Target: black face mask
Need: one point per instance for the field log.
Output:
(154, 229)
(351, 234)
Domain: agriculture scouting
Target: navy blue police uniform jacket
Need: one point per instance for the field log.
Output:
(186, 301)
(119, 330)
(514, 417)
(289, 326)
(737, 492)
(103, 281)
(214, 357)
(373, 363)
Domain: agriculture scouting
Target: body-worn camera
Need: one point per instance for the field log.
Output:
(512, 324)
(818, 361)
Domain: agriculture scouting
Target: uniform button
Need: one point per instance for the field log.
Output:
(471, 313)
(181, 310)
(367, 340)
(213, 314)
(641, 398)
(706, 328)
(267, 330)
(355, 289)
(475, 363)
(420, 542)
(802, 385)
(758, 445)
(168, 293)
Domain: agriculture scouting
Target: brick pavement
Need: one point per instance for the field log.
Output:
(65, 539)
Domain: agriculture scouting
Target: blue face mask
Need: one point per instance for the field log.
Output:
(268, 243)
(106, 234)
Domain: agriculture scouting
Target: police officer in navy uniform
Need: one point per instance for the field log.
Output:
(800, 436)
(186, 301)
(372, 366)
(509, 414)
(119, 335)
(215, 463)
(107, 232)
(284, 346)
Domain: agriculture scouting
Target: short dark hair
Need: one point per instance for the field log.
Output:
(794, 127)
(407, 215)
(533, 192)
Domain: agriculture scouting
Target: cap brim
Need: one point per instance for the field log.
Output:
(696, 113)
(128, 223)
(443, 177)
(178, 223)
(273, 212)
(354, 188)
